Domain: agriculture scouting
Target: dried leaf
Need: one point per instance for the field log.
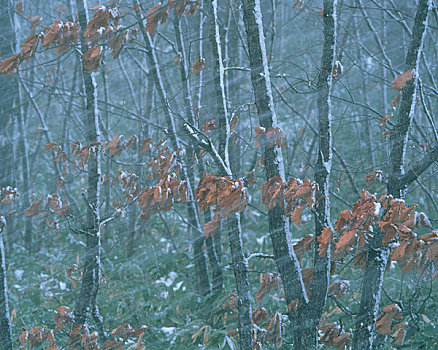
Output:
(34, 209)
(199, 65)
(92, 58)
(324, 240)
(400, 81)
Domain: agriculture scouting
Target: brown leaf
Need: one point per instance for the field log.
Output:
(399, 81)
(373, 176)
(154, 15)
(9, 65)
(199, 65)
(296, 216)
(324, 240)
(385, 319)
(211, 227)
(259, 315)
(92, 58)
(303, 245)
(34, 209)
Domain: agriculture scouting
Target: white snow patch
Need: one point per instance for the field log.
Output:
(18, 274)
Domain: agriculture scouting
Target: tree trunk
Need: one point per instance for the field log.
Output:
(365, 333)
(240, 266)
(86, 302)
(284, 254)
(321, 274)
(24, 151)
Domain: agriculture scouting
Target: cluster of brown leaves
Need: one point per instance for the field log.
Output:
(295, 193)
(385, 323)
(118, 144)
(168, 190)
(162, 164)
(267, 282)
(396, 226)
(125, 331)
(54, 148)
(79, 337)
(272, 136)
(37, 335)
(227, 195)
(373, 176)
(332, 337)
(85, 152)
(416, 252)
(352, 225)
(275, 329)
(129, 182)
(159, 13)
(162, 196)
(105, 26)
(60, 35)
(54, 206)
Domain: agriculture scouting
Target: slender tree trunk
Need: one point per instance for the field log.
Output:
(5, 323)
(24, 151)
(321, 273)
(284, 254)
(377, 259)
(216, 269)
(201, 274)
(240, 266)
(86, 303)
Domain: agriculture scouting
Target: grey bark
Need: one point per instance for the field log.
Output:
(86, 303)
(240, 266)
(284, 254)
(365, 332)
(321, 274)
(24, 151)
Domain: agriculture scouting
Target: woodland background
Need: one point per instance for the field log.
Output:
(84, 170)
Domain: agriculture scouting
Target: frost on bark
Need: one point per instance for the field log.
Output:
(285, 257)
(365, 333)
(240, 266)
(86, 303)
(321, 274)
(198, 238)
(5, 324)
